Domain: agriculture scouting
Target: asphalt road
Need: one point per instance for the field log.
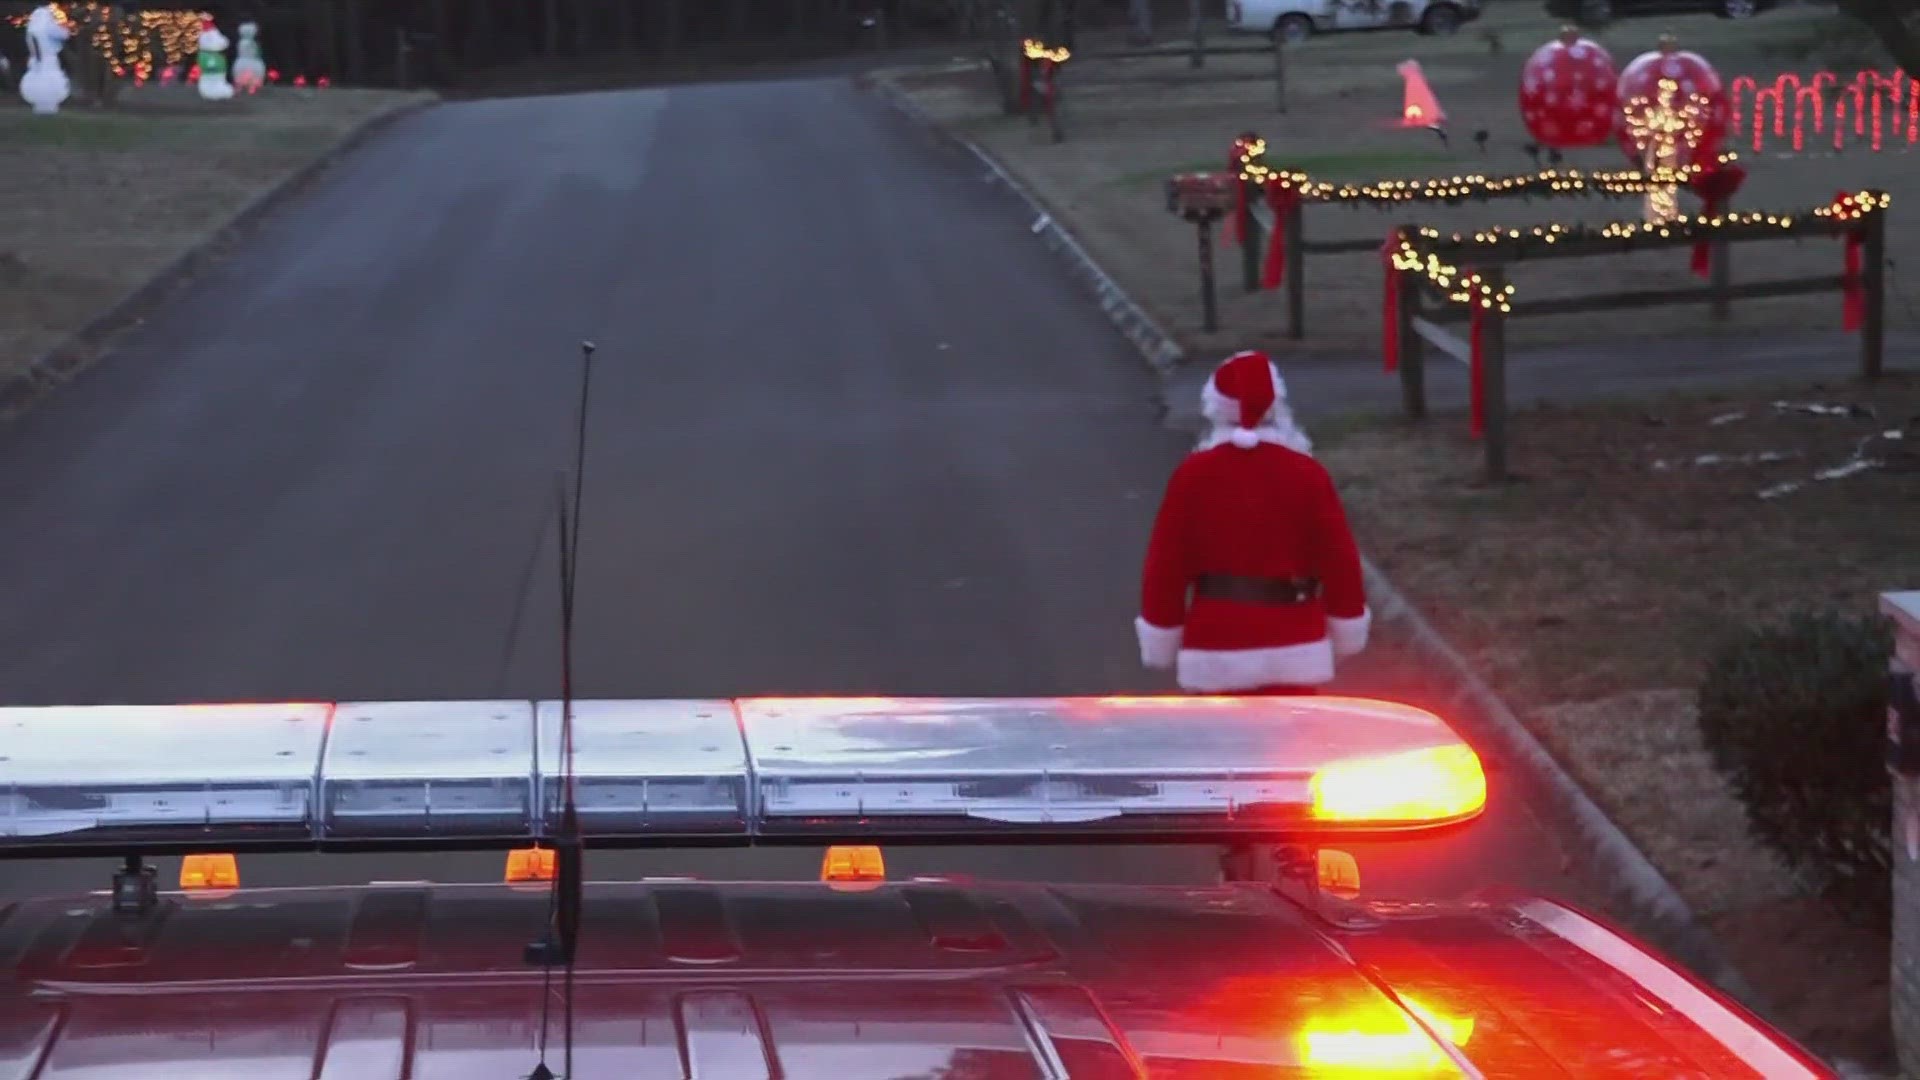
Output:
(853, 432)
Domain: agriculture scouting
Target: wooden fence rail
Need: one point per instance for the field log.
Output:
(1272, 203)
(1427, 266)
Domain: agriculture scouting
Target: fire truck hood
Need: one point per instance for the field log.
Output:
(899, 980)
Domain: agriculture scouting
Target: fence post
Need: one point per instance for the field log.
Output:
(1493, 372)
(1252, 235)
(1280, 72)
(1004, 49)
(1198, 19)
(1296, 271)
(1053, 102)
(1209, 311)
(1413, 361)
(1873, 283)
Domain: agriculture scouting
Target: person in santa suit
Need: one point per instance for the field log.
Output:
(1252, 581)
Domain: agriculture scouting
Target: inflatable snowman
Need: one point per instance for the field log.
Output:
(213, 63)
(45, 85)
(249, 71)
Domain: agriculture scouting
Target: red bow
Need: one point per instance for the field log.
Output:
(1715, 187)
(1281, 199)
(1853, 293)
(1390, 305)
(1479, 398)
(1242, 213)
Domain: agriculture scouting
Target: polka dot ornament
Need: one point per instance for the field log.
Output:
(1567, 93)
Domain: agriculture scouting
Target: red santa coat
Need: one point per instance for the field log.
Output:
(1264, 511)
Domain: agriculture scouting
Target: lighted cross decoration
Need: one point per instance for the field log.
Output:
(1667, 130)
(1673, 118)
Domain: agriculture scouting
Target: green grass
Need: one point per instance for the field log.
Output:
(132, 131)
(74, 130)
(299, 137)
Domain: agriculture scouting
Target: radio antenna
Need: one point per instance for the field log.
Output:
(561, 942)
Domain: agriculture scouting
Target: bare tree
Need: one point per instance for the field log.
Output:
(1140, 16)
(1896, 23)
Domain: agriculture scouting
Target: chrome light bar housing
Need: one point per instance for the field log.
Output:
(737, 772)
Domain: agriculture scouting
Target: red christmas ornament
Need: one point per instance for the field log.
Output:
(1691, 109)
(1567, 93)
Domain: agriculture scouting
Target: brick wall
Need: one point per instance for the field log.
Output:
(1904, 610)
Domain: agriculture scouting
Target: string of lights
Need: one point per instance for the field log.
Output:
(1468, 187)
(130, 42)
(1035, 49)
(1662, 126)
(1438, 257)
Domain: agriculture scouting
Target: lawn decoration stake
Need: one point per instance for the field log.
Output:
(1673, 115)
(213, 63)
(1567, 92)
(44, 85)
(249, 71)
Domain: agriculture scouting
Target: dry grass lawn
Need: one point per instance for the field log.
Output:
(1591, 590)
(94, 203)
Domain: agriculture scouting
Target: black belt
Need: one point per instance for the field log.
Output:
(1255, 590)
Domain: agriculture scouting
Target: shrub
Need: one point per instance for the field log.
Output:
(1795, 718)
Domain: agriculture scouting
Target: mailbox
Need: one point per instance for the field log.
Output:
(1198, 195)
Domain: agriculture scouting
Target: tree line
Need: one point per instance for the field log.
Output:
(438, 42)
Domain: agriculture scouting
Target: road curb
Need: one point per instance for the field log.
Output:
(1636, 884)
(75, 354)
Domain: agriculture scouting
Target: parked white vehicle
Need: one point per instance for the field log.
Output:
(1297, 20)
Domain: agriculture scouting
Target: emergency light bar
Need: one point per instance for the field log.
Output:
(741, 772)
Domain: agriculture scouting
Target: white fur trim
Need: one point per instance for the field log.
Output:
(1277, 427)
(1349, 636)
(1244, 438)
(1226, 671)
(1288, 436)
(1159, 645)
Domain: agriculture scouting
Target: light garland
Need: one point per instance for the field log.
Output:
(1035, 49)
(126, 40)
(1547, 183)
(1460, 287)
(1426, 250)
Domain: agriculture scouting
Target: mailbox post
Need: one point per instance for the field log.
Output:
(1204, 199)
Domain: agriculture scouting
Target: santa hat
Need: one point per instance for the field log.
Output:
(1246, 400)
